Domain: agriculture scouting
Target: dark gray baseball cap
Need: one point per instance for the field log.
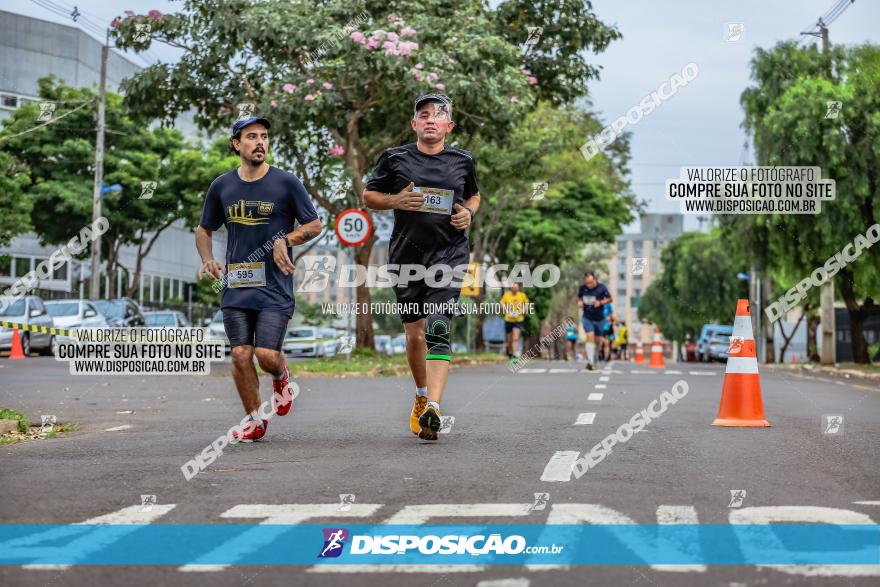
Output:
(428, 98)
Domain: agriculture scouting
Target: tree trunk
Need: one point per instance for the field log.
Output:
(812, 330)
(364, 316)
(769, 342)
(787, 338)
(857, 315)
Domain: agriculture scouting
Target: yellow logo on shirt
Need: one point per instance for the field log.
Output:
(242, 212)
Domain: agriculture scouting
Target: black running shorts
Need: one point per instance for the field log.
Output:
(258, 328)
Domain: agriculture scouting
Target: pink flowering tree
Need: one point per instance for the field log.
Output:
(338, 80)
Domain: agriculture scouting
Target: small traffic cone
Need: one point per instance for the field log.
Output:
(17, 351)
(656, 352)
(741, 403)
(640, 354)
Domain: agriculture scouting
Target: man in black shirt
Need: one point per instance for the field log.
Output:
(433, 191)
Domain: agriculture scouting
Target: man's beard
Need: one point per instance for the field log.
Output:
(254, 162)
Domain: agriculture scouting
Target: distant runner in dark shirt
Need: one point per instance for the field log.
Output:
(592, 295)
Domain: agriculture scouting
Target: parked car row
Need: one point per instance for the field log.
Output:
(300, 341)
(69, 314)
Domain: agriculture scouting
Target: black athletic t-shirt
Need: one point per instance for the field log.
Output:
(588, 295)
(450, 177)
(255, 214)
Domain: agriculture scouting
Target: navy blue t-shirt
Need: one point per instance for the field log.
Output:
(588, 295)
(256, 213)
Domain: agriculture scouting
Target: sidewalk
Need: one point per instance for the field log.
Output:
(845, 370)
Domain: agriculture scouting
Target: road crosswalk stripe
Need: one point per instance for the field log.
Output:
(559, 466)
(128, 516)
(594, 397)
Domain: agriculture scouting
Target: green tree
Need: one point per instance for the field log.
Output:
(586, 202)
(16, 217)
(59, 159)
(786, 113)
(697, 285)
(354, 90)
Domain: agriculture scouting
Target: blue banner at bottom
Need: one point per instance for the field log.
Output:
(499, 544)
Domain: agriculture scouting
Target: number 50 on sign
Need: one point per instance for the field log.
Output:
(353, 227)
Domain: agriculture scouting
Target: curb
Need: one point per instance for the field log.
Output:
(837, 372)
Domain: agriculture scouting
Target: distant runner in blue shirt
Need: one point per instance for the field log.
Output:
(592, 295)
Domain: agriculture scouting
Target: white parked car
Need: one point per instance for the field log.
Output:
(311, 341)
(166, 319)
(28, 310)
(74, 314)
(217, 331)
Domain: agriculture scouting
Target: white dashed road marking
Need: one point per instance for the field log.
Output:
(585, 418)
(595, 397)
(559, 466)
(518, 582)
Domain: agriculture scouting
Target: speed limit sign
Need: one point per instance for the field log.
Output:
(353, 227)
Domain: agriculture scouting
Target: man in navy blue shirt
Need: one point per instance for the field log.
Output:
(259, 205)
(592, 295)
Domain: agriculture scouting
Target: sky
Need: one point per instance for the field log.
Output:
(699, 125)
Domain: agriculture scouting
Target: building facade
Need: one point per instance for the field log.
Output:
(635, 263)
(30, 49)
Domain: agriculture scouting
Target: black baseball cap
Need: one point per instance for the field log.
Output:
(240, 124)
(428, 98)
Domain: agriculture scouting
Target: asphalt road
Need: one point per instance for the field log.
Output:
(513, 436)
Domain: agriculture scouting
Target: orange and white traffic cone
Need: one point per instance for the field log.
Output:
(17, 351)
(741, 403)
(657, 352)
(640, 354)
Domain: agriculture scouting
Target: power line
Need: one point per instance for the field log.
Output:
(39, 126)
(829, 17)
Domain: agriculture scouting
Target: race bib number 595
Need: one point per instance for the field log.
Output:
(246, 274)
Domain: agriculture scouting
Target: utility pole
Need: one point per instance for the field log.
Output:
(827, 337)
(95, 277)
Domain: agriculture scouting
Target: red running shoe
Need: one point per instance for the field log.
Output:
(282, 396)
(251, 431)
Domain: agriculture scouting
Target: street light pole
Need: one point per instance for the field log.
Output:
(95, 277)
